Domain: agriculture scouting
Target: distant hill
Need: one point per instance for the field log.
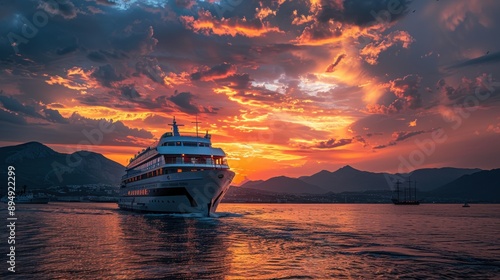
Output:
(283, 184)
(429, 179)
(347, 179)
(38, 166)
(480, 186)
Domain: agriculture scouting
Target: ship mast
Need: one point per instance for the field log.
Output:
(196, 122)
(409, 190)
(397, 188)
(415, 190)
(175, 127)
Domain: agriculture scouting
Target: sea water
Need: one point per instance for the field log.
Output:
(256, 241)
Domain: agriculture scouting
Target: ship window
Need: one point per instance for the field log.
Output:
(178, 143)
(190, 144)
(169, 144)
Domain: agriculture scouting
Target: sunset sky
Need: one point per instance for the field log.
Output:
(285, 87)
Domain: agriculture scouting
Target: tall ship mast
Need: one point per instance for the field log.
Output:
(179, 174)
(409, 197)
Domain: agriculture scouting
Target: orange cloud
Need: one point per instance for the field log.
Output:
(173, 79)
(208, 24)
(76, 79)
(371, 51)
(264, 12)
(302, 19)
(412, 123)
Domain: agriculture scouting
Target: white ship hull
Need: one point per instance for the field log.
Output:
(184, 192)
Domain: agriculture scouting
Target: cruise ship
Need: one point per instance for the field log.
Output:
(179, 174)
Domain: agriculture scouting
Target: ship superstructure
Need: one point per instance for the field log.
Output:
(179, 174)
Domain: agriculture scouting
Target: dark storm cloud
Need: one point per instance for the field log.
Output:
(331, 67)
(95, 100)
(127, 97)
(9, 117)
(361, 12)
(77, 128)
(274, 49)
(64, 8)
(373, 134)
(482, 85)
(96, 56)
(402, 135)
(17, 26)
(106, 75)
(19, 111)
(151, 68)
(360, 139)
(141, 41)
(399, 136)
(106, 2)
(217, 71)
(236, 81)
(14, 105)
(185, 3)
(67, 50)
(406, 91)
(488, 58)
(131, 32)
(392, 143)
(332, 143)
(54, 116)
(183, 101)
(129, 92)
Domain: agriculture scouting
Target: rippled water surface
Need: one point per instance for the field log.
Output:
(253, 241)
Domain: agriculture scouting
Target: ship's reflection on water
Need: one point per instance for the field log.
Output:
(174, 246)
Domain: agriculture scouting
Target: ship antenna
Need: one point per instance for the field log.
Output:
(175, 127)
(196, 122)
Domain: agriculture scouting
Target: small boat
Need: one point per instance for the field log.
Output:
(466, 205)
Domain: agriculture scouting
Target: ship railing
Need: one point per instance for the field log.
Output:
(192, 134)
(195, 160)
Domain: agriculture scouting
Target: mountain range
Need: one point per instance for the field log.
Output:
(38, 166)
(349, 179)
(482, 185)
(434, 184)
